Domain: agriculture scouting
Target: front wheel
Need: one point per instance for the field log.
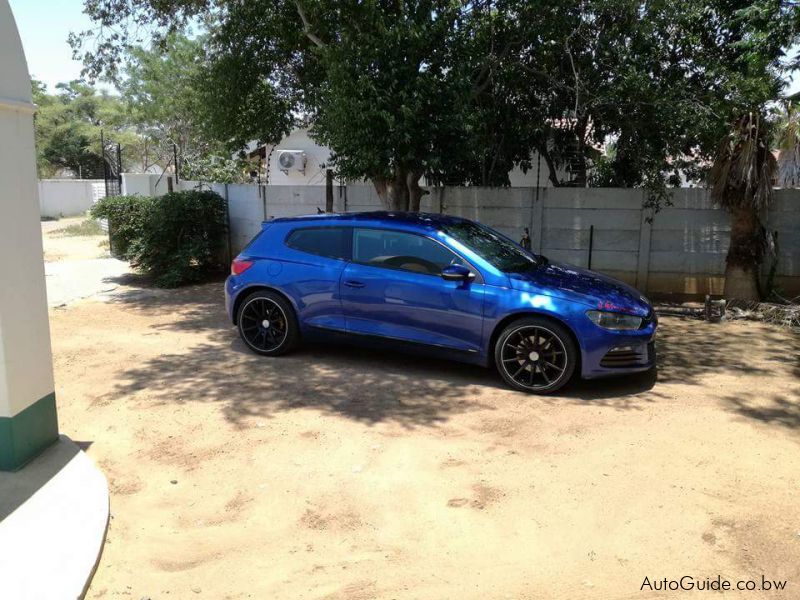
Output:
(535, 355)
(267, 323)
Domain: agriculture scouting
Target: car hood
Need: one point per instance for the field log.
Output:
(591, 288)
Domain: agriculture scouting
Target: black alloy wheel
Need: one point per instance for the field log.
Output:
(266, 323)
(535, 355)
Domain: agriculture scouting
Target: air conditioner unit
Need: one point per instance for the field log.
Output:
(292, 160)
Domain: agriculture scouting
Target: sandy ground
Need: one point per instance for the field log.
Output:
(78, 267)
(337, 473)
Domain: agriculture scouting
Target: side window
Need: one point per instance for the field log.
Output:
(331, 242)
(398, 250)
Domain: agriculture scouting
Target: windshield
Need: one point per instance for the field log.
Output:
(493, 247)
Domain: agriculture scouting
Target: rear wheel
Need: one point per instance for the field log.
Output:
(535, 355)
(267, 323)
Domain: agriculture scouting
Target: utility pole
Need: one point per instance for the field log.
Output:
(175, 159)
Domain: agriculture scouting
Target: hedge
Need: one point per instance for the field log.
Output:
(177, 238)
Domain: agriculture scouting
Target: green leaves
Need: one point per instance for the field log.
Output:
(68, 125)
(464, 91)
(177, 238)
(744, 168)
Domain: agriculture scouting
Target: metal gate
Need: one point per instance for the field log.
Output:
(112, 166)
(112, 175)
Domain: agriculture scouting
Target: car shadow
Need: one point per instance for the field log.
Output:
(372, 386)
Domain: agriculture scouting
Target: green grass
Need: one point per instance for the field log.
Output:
(85, 228)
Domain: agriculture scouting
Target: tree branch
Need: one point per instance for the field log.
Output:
(307, 26)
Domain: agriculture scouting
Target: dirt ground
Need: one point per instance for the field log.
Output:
(77, 266)
(338, 473)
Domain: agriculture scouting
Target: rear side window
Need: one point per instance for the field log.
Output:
(331, 242)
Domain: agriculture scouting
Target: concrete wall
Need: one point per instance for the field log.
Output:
(139, 184)
(68, 197)
(682, 252)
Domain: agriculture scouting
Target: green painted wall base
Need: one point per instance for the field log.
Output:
(27, 433)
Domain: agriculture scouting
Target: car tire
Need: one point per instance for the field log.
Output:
(535, 355)
(267, 323)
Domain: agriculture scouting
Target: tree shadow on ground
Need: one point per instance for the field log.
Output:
(200, 307)
(372, 386)
(777, 409)
(688, 350)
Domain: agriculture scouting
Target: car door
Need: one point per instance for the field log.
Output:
(315, 260)
(393, 288)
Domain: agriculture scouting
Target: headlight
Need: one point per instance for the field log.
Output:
(610, 320)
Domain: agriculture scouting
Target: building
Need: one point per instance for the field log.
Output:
(304, 163)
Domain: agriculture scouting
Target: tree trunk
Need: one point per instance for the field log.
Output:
(551, 167)
(392, 192)
(415, 192)
(744, 256)
(401, 192)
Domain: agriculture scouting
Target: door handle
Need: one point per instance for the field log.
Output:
(354, 284)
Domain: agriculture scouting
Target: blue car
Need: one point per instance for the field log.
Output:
(438, 284)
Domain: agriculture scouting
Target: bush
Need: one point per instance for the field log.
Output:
(178, 238)
(125, 216)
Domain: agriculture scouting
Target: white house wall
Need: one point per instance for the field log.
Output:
(316, 157)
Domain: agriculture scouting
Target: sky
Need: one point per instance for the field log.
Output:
(45, 24)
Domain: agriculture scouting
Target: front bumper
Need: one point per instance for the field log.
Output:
(634, 358)
(606, 353)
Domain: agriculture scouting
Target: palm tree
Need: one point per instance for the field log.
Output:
(789, 145)
(741, 181)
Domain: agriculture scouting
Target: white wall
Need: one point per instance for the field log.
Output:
(138, 184)
(67, 197)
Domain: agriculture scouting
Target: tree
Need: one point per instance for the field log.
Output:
(160, 87)
(741, 181)
(68, 126)
(788, 144)
(379, 83)
(386, 85)
(462, 91)
(659, 80)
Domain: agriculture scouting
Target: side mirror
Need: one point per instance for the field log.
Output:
(457, 273)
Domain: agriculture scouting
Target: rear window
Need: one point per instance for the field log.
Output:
(331, 242)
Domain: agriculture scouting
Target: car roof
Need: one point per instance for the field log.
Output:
(426, 220)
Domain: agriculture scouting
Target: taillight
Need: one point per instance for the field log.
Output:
(239, 266)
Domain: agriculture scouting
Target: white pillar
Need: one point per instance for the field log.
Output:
(27, 400)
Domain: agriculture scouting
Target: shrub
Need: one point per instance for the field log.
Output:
(125, 216)
(178, 238)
